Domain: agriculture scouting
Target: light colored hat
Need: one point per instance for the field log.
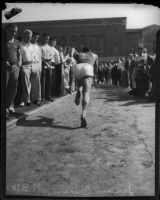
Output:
(27, 31)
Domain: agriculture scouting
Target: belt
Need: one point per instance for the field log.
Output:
(13, 63)
(27, 63)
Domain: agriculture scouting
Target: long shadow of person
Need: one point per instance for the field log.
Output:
(43, 122)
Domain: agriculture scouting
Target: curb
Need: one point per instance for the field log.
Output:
(32, 112)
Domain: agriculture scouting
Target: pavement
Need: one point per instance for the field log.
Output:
(48, 154)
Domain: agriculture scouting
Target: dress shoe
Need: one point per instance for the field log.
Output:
(50, 99)
(11, 109)
(37, 102)
(22, 104)
(28, 104)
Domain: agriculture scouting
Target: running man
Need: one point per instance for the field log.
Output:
(84, 72)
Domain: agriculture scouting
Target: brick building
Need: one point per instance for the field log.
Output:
(148, 35)
(108, 37)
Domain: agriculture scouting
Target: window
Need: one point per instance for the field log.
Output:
(101, 45)
(94, 43)
(116, 29)
(63, 40)
(74, 41)
(81, 41)
(116, 49)
(149, 46)
(132, 45)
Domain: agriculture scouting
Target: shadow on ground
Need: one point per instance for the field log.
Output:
(20, 112)
(113, 93)
(43, 122)
(16, 115)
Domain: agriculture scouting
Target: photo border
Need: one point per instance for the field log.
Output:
(157, 125)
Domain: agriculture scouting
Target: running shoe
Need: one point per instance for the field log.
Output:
(83, 122)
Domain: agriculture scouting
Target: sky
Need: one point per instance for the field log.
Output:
(138, 15)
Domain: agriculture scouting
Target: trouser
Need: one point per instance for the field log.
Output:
(11, 84)
(106, 76)
(66, 77)
(18, 97)
(147, 82)
(53, 89)
(130, 78)
(59, 81)
(29, 80)
(123, 78)
(72, 80)
(140, 83)
(62, 80)
(128, 82)
(109, 77)
(133, 76)
(36, 86)
(46, 82)
(100, 76)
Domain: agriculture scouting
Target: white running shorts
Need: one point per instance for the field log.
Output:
(83, 69)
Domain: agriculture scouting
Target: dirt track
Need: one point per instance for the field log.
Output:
(48, 154)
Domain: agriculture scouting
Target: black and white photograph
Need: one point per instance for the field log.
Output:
(80, 99)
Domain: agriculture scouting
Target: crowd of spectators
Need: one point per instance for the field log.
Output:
(38, 68)
(136, 71)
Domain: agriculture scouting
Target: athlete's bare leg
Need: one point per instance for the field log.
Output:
(86, 87)
(78, 94)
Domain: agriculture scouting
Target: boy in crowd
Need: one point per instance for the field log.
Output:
(46, 75)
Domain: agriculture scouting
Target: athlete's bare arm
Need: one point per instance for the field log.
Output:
(74, 52)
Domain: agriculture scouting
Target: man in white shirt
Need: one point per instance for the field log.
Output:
(36, 69)
(56, 58)
(55, 61)
(28, 59)
(46, 75)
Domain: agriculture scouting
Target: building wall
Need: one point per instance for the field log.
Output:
(133, 40)
(107, 37)
(149, 37)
